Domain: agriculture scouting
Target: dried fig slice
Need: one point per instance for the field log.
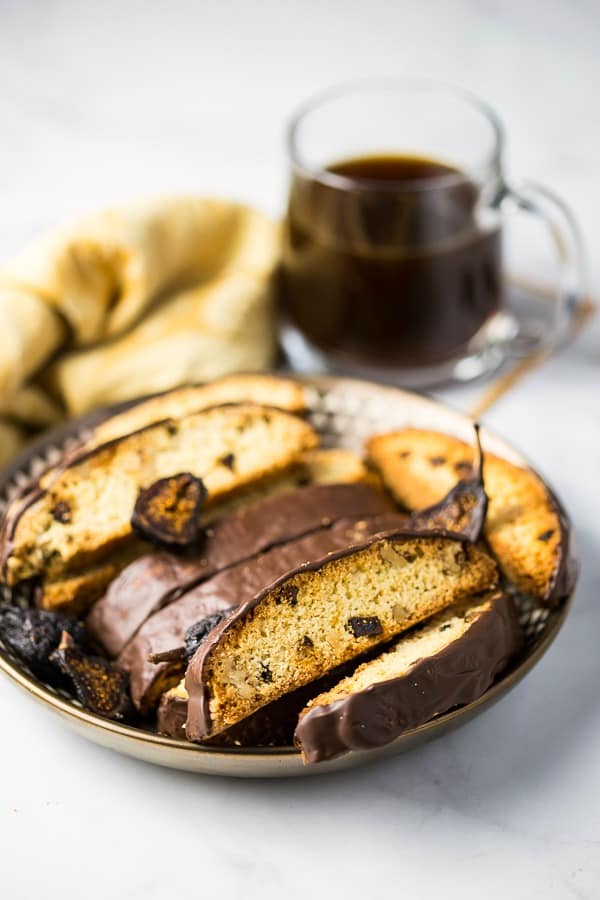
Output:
(100, 686)
(463, 509)
(168, 512)
(34, 634)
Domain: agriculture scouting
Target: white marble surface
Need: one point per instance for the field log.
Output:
(105, 100)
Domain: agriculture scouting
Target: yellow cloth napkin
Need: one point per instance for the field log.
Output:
(129, 301)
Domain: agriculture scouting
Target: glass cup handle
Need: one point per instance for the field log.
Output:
(537, 200)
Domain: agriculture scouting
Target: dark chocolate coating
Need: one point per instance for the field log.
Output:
(156, 580)
(234, 586)
(198, 724)
(458, 674)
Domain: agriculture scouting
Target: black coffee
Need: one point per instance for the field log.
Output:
(384, 262)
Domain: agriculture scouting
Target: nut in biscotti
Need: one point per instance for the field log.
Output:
(322, 616)
(100, 488)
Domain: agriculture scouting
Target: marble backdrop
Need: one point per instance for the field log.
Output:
(101, 101)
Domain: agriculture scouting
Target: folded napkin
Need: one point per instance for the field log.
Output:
(130, 301)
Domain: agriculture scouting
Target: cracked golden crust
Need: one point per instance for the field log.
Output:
(525, 528)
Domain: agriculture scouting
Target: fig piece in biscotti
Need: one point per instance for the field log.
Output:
(323, 615)
(450, 660)
(463, 510)
(525, 526)
(167, 513)
(96, 493)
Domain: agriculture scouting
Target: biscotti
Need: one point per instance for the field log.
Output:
(526, 529)
(77, 593)
(450, 660)
(155, 580)
(238, 584)
(87, 510)
(323, 615)
(262, 390)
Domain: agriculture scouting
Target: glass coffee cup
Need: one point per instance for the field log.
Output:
(392, 263)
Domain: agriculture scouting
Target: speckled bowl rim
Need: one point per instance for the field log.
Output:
(286, 761)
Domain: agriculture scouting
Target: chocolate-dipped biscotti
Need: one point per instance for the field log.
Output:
(157, 579)
(525, 527)
(450, 660)
(323, 615)
(244, 587)
(236, 585)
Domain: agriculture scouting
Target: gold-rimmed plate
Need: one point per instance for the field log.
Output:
(345, 412)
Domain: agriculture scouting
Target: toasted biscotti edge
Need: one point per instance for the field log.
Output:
(526, 527)
(358, 586)
(77, 593)
(39, 541)
(448, 661)
(259, 389)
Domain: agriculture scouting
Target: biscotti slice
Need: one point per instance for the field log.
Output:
(317, 466)
(262, 390)
(323, 615)
(87, 511)
(525, 527)
(78, 593)
(166, 629)
(450, 660)
(270, 726)
(157, 579)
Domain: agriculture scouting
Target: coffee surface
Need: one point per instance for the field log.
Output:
(385, 262)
